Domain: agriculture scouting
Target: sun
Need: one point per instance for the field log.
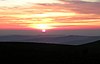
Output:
(43, 27)
(44, 30)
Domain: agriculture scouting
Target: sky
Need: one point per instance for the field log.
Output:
(62, 16)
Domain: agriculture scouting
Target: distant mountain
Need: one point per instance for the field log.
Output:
(67, 40)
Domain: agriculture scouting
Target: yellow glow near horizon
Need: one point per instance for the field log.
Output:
(47, 14)
(42, 27)
(54, 14)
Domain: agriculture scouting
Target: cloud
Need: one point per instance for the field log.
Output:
(91, 0)
(75, 13)
(84, 7)
(53, 14)
(84, 0)
(16, 3)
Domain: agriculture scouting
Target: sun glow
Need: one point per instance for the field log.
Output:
(43, 27)
(44, 30)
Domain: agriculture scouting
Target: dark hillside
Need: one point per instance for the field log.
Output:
(50, 53)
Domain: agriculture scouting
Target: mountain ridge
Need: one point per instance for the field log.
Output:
(70, 39)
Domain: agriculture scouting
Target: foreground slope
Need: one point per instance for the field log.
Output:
(93, 48)
(50, 53)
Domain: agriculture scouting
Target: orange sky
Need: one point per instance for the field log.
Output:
(46, 15)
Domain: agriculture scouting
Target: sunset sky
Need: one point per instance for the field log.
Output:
(50, 15)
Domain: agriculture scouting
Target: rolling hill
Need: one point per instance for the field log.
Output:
(66, 40)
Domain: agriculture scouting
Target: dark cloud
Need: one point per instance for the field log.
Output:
(84, 0)
(83, 7)
(86, 7)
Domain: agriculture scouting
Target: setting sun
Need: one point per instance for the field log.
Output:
(44, 30)
(43, 27)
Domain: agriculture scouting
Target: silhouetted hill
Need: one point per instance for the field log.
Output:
(91, 49)
(50, 53)
(34, 52)
(95, 43)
